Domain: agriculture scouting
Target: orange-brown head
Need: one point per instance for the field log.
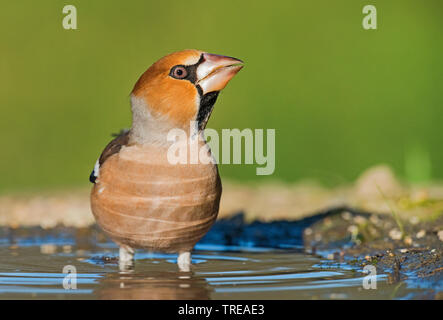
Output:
(181, 87)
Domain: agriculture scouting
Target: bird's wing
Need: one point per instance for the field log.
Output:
(113, 147)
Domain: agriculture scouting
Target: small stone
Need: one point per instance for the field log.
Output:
(440, 235)
(346, 215)
(404, 250)
(353, 229)
(360, 220)
(433, 250)
(369, 258)
(48, 223)
(408, 240)
(48, 248)
(420, 234)
(308, 231)
(395, 234)
(374, 219)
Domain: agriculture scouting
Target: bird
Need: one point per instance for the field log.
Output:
(140, 198)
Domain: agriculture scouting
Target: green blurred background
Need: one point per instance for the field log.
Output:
(341, 98)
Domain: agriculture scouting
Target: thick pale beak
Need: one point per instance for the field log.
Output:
(214, 73)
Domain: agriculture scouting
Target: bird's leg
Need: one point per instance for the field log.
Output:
(184, 261)
(126, 258)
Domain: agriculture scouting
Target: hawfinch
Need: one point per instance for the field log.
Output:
(141, 198)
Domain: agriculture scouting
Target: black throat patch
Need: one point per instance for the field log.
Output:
(207, 102)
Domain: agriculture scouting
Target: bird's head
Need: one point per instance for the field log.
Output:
(179, 88)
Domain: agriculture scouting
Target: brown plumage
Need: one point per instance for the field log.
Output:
(140, 198)
(114, 146)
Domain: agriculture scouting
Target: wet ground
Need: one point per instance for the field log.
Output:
(403, 250)
(236, 260)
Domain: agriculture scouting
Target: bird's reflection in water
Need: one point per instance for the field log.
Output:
(153, 285)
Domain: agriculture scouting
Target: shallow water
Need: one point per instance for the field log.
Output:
(32, 263)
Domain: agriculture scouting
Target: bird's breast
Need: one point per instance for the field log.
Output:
(142, 200)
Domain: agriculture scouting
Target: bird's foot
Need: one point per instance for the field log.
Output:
(184, 261)
(126, 258)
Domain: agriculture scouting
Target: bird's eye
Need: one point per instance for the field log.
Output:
(179, 72)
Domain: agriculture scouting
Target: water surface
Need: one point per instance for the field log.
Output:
(32, 263)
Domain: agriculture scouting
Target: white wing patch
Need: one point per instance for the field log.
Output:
(96, 169)
(94, 174)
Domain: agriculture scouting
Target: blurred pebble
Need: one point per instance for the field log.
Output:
(395, 234)
(374, 219)
(48, 248)
(48, 223)
(308, 231)
(360, 220)
(408, 240)
(420, 234)
(353, 229)
(404, 250)
(440, 235)
(346, 215)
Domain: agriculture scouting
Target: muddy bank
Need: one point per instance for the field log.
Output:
(410, 250)
(402, 249)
